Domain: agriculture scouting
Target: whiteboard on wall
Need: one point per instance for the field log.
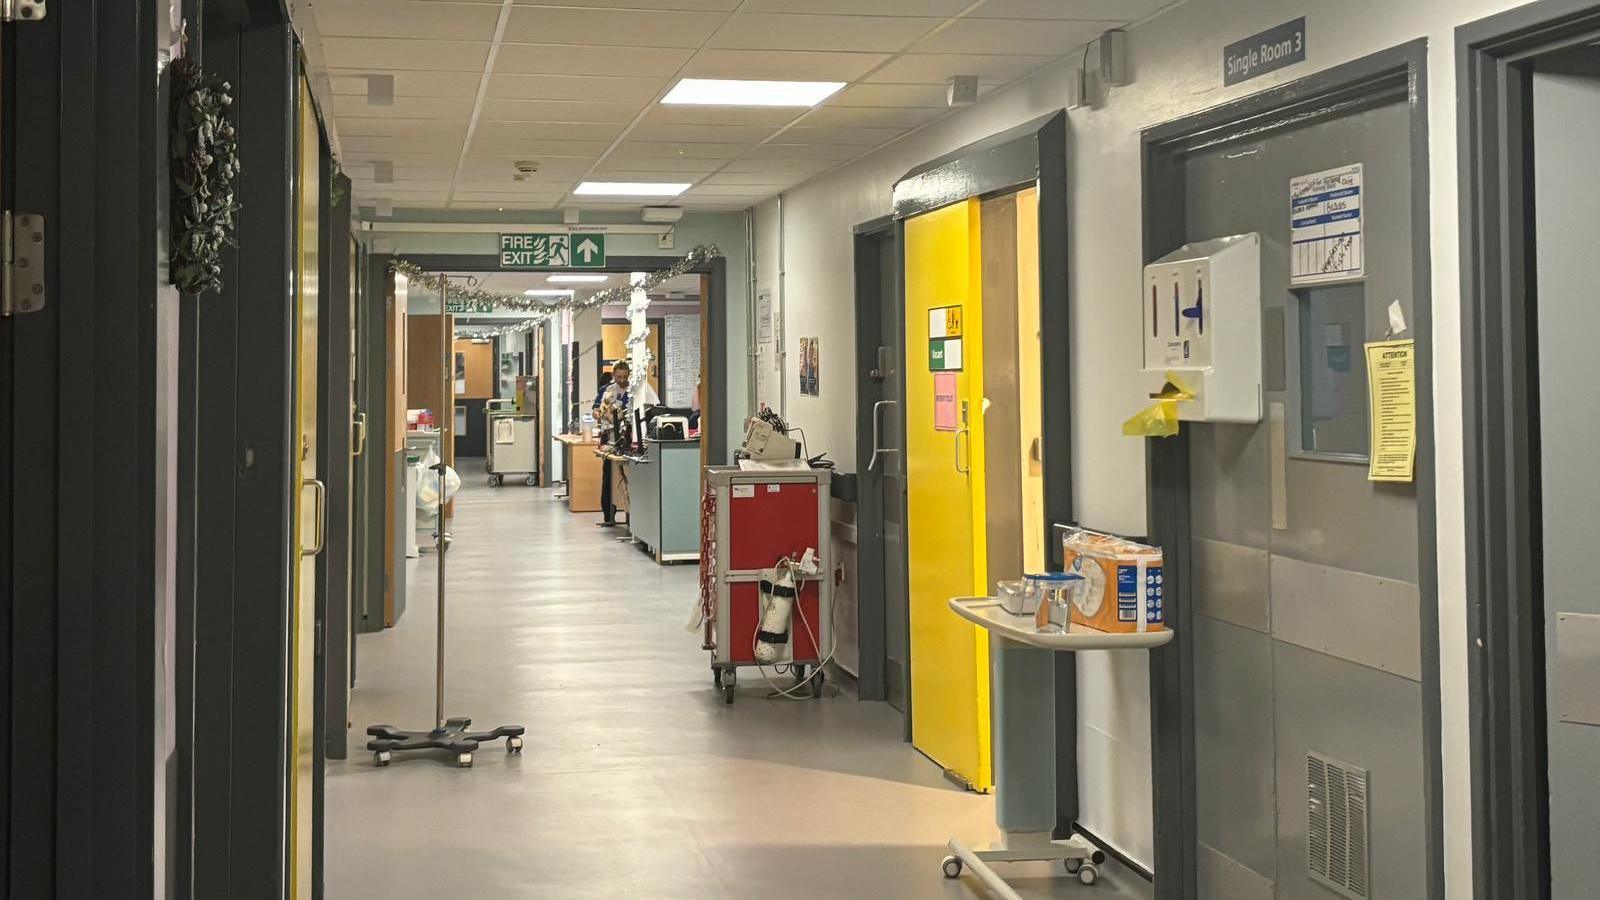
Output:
(682, 352)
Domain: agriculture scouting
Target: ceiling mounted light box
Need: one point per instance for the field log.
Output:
(734, 92)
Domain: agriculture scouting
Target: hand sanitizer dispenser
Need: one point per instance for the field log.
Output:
(1202, 323)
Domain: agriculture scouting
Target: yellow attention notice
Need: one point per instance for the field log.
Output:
(1392, 400)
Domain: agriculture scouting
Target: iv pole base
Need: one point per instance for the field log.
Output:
(454, 736)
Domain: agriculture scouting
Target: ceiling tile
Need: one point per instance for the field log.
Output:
(454, 108)
(381, 147)
(1108, 10)
(525, 148)
(746, 191)
(751, 179)
(582, 131)
(395, 19)
(935, 8)
(705, 5)
(389, 53)
(519, 204)
(860, 137)
(901, 118)
(571, 25)
(405, 186)
(353, 126)
(791, 31)
(834, 152)
(762, 166)
(575, 87)
(656, 167)
(498, 109)
(559, 59)
(773, 116)
(670, 149)
(936, 68)
(408, 84)
(725, 134)
(818, 65)
(1014, 36)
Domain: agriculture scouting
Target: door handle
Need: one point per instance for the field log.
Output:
(965, 431)
(877, 435)
(320, 529)
(360, 435)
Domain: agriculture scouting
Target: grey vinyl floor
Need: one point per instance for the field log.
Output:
(637, 781)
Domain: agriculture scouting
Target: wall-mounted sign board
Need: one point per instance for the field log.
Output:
(552, 251)
(944, 339)
(1326, 240)
(463, 305)
(1265, 52)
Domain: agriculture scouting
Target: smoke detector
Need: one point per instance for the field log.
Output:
(525, 168)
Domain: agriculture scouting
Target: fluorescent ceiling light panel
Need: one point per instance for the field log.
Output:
(577, 279)
(547, 292)
(632, 188)
(732, 92)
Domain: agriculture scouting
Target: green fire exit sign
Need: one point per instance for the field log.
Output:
(536, 250)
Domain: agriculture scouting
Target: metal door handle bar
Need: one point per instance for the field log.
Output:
(361, 434)
(320, 530)
(877, 434)
(965, 431)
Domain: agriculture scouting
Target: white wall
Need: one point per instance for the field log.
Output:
(1176, 63)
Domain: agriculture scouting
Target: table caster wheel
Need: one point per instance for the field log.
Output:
(514, 744)
(464, 760)
(533, 481)
(716, 677)
(727, 692)
(382, 758)
(952, 866)
(816, 685)
(1072, 865)
(1097, 857)
(1088, 873)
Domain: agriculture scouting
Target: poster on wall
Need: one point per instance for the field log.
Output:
(1325, 227)
(810, 367)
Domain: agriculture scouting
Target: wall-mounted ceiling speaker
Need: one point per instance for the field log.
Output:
(380, 90)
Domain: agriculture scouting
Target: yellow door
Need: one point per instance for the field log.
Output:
(944, 490)
(1030, 383)
(310, 505)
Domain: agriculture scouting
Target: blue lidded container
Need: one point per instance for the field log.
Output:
(1056, 591)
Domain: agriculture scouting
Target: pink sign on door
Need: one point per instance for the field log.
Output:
(944, 401)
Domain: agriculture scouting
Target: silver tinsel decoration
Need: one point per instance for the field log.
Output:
(541, 310)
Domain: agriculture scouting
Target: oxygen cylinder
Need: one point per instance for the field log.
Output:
(777, 607)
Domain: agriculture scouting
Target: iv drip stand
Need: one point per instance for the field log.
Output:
(446, 734)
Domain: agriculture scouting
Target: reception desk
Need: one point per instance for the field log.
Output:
(664, 500)
(584, 472)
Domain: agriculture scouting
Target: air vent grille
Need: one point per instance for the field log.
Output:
(1336, 825)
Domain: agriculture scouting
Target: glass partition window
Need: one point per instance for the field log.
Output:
(1333, 372)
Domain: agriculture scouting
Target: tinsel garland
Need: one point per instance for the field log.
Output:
(541, 310)
(205, 162)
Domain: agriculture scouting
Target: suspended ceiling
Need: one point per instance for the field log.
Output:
(574, 85)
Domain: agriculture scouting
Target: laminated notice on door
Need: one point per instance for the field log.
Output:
(744, 490)
(1392, 402)
(944, 401)
(505, 431)
(1325, 227)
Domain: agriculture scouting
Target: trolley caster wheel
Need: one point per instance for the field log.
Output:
(816, 685)
(533, 481)
(1088, 873)
(494, 481)
(727, 692)
(463, 760)
(952, 866)
(382, 758)
(716, 677)
(513, 744)
(1072, 865)
(1098, 857)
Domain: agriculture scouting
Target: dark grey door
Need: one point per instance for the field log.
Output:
(1566, 102)
(1305, 590)
(881, 466)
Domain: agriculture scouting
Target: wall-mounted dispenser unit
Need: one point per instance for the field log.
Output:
(1202, 323)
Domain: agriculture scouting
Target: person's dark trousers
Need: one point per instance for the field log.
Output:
(607, 508)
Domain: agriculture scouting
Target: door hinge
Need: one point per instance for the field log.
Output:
(22, 274)
(22, 10)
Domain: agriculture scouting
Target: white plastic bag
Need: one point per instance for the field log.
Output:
(428, 484)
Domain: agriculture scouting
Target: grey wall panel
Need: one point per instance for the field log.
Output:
(1229, 498)
(1339, 518)
(1230, 583)
(1566, 97)
(1366, 718)
(1233, 743)
(1220, 878)
(1361, 618)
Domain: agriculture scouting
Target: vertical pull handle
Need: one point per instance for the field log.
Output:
(965, 431)
(877, 435)
(320, 529)
(361, 434)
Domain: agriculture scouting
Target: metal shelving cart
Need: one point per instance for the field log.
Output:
(513, 444)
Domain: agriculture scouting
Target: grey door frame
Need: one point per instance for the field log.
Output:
(1378, 78)
(1505, 621)
(873, 608)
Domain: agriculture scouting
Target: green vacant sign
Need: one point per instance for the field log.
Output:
(547, 251)
(464, 305)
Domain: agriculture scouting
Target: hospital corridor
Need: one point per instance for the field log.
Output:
(799, 449)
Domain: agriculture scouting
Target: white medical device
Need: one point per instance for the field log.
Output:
(1202, 322)
(762, 441)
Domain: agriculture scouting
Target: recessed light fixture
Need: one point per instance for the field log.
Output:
(547, 292)
(733, 92)
(632, 188)
(577, 279)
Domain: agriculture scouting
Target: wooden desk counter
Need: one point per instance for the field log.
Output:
(583, 470)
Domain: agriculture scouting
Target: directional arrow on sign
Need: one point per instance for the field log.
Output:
(587, 249)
